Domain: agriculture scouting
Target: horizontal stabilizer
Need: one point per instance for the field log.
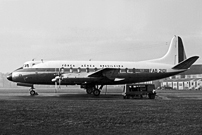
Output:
(186, 63)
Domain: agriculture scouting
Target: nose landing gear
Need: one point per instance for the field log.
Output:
(33, 92)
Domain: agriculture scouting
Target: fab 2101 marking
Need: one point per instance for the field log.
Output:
(158, 70)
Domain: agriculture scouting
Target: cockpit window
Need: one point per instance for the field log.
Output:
(26, 65)
(30, 64)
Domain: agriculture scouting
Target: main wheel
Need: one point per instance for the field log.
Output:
(32, 93)
(89, 90)
(96, 92)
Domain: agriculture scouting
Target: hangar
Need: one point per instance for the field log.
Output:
(189, 80)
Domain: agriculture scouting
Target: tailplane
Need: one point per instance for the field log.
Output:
(175, 54)
(186, 63)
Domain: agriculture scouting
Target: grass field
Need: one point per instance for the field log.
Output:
(172, 112)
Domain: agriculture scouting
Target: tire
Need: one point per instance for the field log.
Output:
(96, 92)
(32, 93)
(89, 91)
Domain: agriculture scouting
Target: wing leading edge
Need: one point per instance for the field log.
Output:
(110, 73)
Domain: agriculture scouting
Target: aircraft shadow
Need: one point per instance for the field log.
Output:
(90, 97)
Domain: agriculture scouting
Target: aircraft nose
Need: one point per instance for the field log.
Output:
(9, 77)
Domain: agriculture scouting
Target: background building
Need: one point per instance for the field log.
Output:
(190, 80)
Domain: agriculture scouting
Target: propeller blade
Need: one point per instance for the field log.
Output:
(56, 87)
(59, 83)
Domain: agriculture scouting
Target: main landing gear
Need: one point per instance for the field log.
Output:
(32, 92)
(93, 89)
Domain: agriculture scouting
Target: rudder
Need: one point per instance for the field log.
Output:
(181, 52)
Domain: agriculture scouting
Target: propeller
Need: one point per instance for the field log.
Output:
(58, 79)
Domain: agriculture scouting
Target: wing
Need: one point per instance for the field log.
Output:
(107, 73)
(110, 73)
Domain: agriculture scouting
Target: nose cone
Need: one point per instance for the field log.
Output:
(9, 77)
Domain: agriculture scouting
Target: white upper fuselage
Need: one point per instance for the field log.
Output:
(160, 67)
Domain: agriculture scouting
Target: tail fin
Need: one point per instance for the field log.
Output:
(181, 52)
(186, 63)
(175, 54)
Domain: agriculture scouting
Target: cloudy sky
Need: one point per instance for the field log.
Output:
(118, 30)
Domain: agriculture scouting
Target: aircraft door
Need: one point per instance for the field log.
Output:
(62, 70)
(36, 74)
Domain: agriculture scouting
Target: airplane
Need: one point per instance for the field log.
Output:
(93, 75)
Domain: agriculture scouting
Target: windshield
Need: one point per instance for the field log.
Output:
(19, 68)
(30, 64)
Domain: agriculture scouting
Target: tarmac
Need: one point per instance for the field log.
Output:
(50, 93)
(77, 94)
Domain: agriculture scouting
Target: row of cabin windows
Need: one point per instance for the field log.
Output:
(71, 70)
(66, 65)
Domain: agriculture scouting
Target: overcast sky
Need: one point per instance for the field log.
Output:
(118, 30)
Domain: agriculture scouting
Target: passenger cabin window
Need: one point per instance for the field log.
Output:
(96, 69)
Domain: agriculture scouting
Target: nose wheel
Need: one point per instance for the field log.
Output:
(33, 92)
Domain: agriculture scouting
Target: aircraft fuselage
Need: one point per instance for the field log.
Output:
(79, 72)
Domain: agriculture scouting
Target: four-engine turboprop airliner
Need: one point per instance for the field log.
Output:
(93, 75)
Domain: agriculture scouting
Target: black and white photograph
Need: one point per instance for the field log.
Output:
(105, 67)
